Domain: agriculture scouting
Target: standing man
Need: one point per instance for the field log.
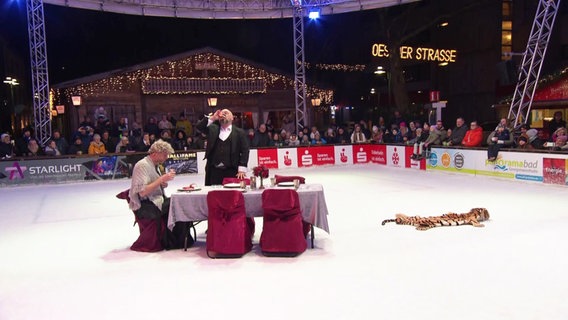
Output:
(227, 150)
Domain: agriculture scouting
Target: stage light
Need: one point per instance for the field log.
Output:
(314, 14)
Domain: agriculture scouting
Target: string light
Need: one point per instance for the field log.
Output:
(176, 73)
(335, 67)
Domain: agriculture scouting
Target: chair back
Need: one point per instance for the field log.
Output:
(282, 231)
(228, 234)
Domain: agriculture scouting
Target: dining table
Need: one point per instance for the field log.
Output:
(190, 205)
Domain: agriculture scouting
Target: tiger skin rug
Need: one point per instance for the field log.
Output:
(473, 217)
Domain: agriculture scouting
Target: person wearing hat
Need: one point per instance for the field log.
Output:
(227, 150)
(6, 147)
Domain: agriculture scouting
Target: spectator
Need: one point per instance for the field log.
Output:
(135, 131)
(364, 128)
(557, 122)
(189, 142)
(473, 136)
(329, 136)
(404, 132)
(524, 129)
(51, 149)
(180, 141)
(166, 136)
(435, 136)
(110, 142)
(22, 142)
(523, 142)
(76, 147)
(536, 138)
(376, 135)
(318, 140)
(6, 147)
(61, 142)
(34, 149)
(123, 146)
(498, 139)
(313, 132)
(152, 127)
(305, 140)
(145, 143)
(358, 136)
(85, 137)
(185, 125)
(288, 123)
(277, 140)
(87, 122)
(261, 137)
(458, 133)
(412, 128)
(293, 142)
(122, 124)
(250, 135)
(561, 131)
(560, 143)
(165, 124)
(342, 136)
(97, 147)
(396, 119)
(201, 141)
(382, 126)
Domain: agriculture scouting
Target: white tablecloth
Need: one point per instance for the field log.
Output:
(192, 206)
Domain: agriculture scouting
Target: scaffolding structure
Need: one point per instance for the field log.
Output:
(533, 57)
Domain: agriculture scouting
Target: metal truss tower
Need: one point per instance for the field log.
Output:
(529, 71)
(299, 67)
(40, 80)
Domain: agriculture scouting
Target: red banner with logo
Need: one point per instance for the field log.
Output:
(316, 156)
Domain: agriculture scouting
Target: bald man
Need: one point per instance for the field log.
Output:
(227, 149)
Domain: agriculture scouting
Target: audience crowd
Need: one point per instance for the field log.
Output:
(104, 137)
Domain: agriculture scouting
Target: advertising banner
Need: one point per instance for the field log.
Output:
(182, 163)
(343, 155)
(378, 153)
(395, 156)
(515, 165)
(268, 158)
(361, 153)
(318, 156)
(287, 158)
(412, 163)
(455, 160)
(554, 171)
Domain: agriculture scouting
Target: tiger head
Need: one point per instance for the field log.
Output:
(481, 214)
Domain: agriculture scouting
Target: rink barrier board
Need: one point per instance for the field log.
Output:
(523, 166)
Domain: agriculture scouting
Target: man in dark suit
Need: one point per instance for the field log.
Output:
(227, 150)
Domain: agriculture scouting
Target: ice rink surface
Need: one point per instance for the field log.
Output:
(64, 253)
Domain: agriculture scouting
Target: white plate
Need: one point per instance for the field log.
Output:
(189, 190)
(286, 184)
(232, 185)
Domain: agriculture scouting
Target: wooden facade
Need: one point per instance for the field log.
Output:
(182, 84)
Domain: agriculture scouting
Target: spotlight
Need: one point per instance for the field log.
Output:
(314, 14)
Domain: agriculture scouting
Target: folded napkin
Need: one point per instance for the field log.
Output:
(279, 179)
(235, 180)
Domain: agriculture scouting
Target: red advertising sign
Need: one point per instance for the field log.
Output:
(361, 153)
(268, 158)
(554, 171)
(316, 156)
(378, 153)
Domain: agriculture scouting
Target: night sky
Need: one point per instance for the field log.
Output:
(84, 42)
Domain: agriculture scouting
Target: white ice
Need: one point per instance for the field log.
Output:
(64, 255)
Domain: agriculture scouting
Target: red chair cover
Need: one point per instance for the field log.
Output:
(149, 238)
(283, 228)
(229, 232)
(235, 180)
(279, 179)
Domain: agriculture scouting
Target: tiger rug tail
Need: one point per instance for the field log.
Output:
(473, 217)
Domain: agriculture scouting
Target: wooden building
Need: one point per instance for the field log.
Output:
(194, 83)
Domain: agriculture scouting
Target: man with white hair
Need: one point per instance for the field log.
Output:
(147, 183)
(227, 149)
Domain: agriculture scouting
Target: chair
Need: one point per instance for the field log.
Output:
(235, 180)
(229, 232)
(283, 228)
(152, 231)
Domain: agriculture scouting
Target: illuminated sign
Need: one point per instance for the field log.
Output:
(419, 53)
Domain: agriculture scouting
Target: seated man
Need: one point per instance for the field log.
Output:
(473, 136)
